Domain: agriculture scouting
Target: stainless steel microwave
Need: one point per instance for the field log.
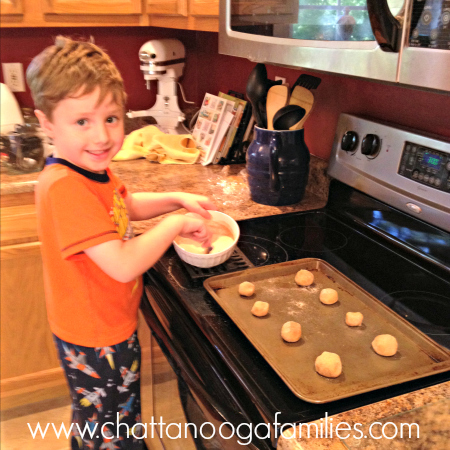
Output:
(403, 41)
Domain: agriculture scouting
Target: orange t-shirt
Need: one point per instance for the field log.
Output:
(78, 209)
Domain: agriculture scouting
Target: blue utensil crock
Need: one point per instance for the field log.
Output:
(277, 166)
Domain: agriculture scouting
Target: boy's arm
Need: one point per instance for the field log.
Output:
(146, 205)
(126, 260)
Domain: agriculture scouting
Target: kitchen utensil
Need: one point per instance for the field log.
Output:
(277, 97)
(255, 90)
(257, 86)
(302, 97)
(307, 81)
(211, 259)
(277, 166)
(324, 329)
(288, 116)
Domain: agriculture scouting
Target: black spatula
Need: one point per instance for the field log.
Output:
(307, 81)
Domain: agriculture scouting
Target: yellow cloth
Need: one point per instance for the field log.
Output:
(151, 143)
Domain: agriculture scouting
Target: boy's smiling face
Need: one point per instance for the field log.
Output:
(86, 133)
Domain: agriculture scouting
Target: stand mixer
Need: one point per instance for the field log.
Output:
(163, 60)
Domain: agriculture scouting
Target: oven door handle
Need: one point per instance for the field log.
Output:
(177, 363)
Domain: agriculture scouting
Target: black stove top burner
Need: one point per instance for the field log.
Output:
(312, 239)
(262, 251)
(429, 312)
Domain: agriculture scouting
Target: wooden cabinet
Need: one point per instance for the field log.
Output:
(91, 7)
(26, 340)
(30, 369)
(8, 7)
(205, 8)
(168, 7)
(201, 15)
(70, 13)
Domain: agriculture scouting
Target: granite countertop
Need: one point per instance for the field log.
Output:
(225, 185)
(429, 408)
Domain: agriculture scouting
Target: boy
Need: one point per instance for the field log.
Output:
(92, 267)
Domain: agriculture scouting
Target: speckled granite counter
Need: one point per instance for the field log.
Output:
(428, 408)
(225, 185)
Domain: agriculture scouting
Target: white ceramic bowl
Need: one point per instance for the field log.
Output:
(212, 259)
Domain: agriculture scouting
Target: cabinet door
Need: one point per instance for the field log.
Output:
(91, 6)
(204, 8)
(167, 7)
(10, 7)
(26, 340)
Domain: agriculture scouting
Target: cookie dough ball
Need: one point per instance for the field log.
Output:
(354, 319)
(385, 345)
(221, 243)
(328, 296)
(304, 278)
(329, 365)
(260, 309)
(291, 331)
(246, 289)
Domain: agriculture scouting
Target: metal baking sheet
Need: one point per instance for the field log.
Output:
(324, 329)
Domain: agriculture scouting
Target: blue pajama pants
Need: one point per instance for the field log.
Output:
(104, 385)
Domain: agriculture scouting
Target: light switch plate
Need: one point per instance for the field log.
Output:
(13, 76)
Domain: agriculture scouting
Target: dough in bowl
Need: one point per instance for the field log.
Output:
(191, 246)
(221, 243)
(328, 365)
(385, 345)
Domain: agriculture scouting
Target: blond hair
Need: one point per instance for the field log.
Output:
(72, 69)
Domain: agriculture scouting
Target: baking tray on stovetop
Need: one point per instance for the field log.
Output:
(324, 329)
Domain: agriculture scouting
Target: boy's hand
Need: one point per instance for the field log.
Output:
(196, 229)
(198, 204)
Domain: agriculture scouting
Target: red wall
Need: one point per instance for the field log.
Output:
(207, 71)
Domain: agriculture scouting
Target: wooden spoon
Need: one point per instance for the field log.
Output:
(277, 97)
(302, 97)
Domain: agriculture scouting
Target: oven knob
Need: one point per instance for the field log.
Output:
(370, 145)
(349, 141)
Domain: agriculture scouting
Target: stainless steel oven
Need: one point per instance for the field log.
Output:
(386, 227)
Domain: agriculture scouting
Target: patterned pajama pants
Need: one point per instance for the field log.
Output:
(104, 385)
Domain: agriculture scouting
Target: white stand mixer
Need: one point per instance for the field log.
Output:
(163, 60)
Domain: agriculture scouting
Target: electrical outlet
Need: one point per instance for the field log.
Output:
(13, 76)
(283, 80)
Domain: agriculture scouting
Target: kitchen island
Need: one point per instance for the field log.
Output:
(227, 187)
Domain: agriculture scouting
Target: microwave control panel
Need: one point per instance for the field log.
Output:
(426, 165)
(432, 24)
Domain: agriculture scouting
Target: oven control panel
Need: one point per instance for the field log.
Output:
(404, 168)
(432, 24)
(426, 165)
